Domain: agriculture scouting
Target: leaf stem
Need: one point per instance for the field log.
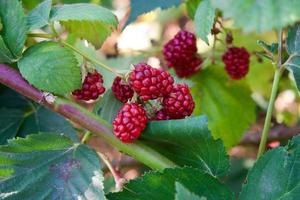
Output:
(86, 137)
(275, 85)
(41, 35)
(87, 57)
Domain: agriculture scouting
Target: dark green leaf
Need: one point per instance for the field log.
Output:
(161, 185)
(273, 48)
(139, 7)
(275, 175)
(39, 16)
(294, 67)
(49, 166)
(44, 120)
(227, 104)
(107, 108)
(252, 15)
(14, 27)
(293, 40)
(188, 142)
(5, 54)
(50, 67)
(10, 122)
(11, 99)
(204, 19)
(191, 6)
(183, 193)
(89, 21)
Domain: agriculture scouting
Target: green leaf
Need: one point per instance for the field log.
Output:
(183, 193)
(10, 121)
(191, 6)
(5, 54)
(108, 107)
(252, 15)
(161, 185)
(14, 27)
(294, 67)
(49, 166)
(45, 120)
(204, 19)
(273, 48)
(227, 104)
(188, 142)
(91, 22)
(33, 118)
(39, 16)
(275, 175)
(293, 40)
(139, 7)
(50, 67)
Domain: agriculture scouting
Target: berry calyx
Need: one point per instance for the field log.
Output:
(150, 83)
(179, 104)
(92, 87)
(236, 62)
(121, 90)
(181, 54)
(130, 121)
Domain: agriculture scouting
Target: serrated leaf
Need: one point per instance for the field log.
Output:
(273, 48)
(183, 193)
(108, 107)
(5, 54)
(139, 7)
(275, 175)
(91, 22)
(187, 142)
(294, 67)
(14, 28)
(50, 67)
(39, 16)
(29, 117)
(49, 166)
(293, 40)
(204, 19)
(10, 122)
(147, 186)
(252, 15)
(227, 104)
(191, 6)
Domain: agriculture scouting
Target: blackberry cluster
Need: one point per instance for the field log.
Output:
(92, 87)
(149, 84)
(181, 54)
(236, 62)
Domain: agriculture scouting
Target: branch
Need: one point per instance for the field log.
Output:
(77, 114)
(277, 133)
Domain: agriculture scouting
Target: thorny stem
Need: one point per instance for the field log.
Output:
(81, 116)
(275, 85)
(119, 180)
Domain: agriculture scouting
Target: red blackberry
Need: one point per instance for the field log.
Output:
(150, 83)
(161, 115)
(236, 62)
(130, 121)
(121, 90)
(179, 103)
(181, 54)
(92, 87)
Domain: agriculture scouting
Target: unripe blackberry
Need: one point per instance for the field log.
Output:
(92, 87)
(179, 104)
(130, 121)
(150, 83)
(121, 90)
(181, 54)
(236, 62)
